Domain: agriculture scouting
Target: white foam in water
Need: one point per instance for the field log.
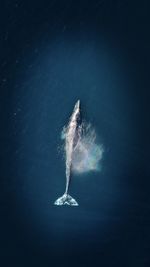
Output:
(87, 154)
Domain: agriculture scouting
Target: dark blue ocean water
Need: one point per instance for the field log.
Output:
(45, 98)
(49, 70)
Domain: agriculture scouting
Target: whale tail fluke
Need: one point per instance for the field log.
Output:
(66, 200)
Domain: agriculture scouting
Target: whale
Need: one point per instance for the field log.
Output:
(71, 134)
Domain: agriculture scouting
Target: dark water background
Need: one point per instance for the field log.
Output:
(53, 53)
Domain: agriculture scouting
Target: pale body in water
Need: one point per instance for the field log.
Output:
(72, 134)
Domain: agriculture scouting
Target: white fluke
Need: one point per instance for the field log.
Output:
(71, 135)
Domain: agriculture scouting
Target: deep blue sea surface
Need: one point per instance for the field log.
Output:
(53, 56)
(64, 72)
